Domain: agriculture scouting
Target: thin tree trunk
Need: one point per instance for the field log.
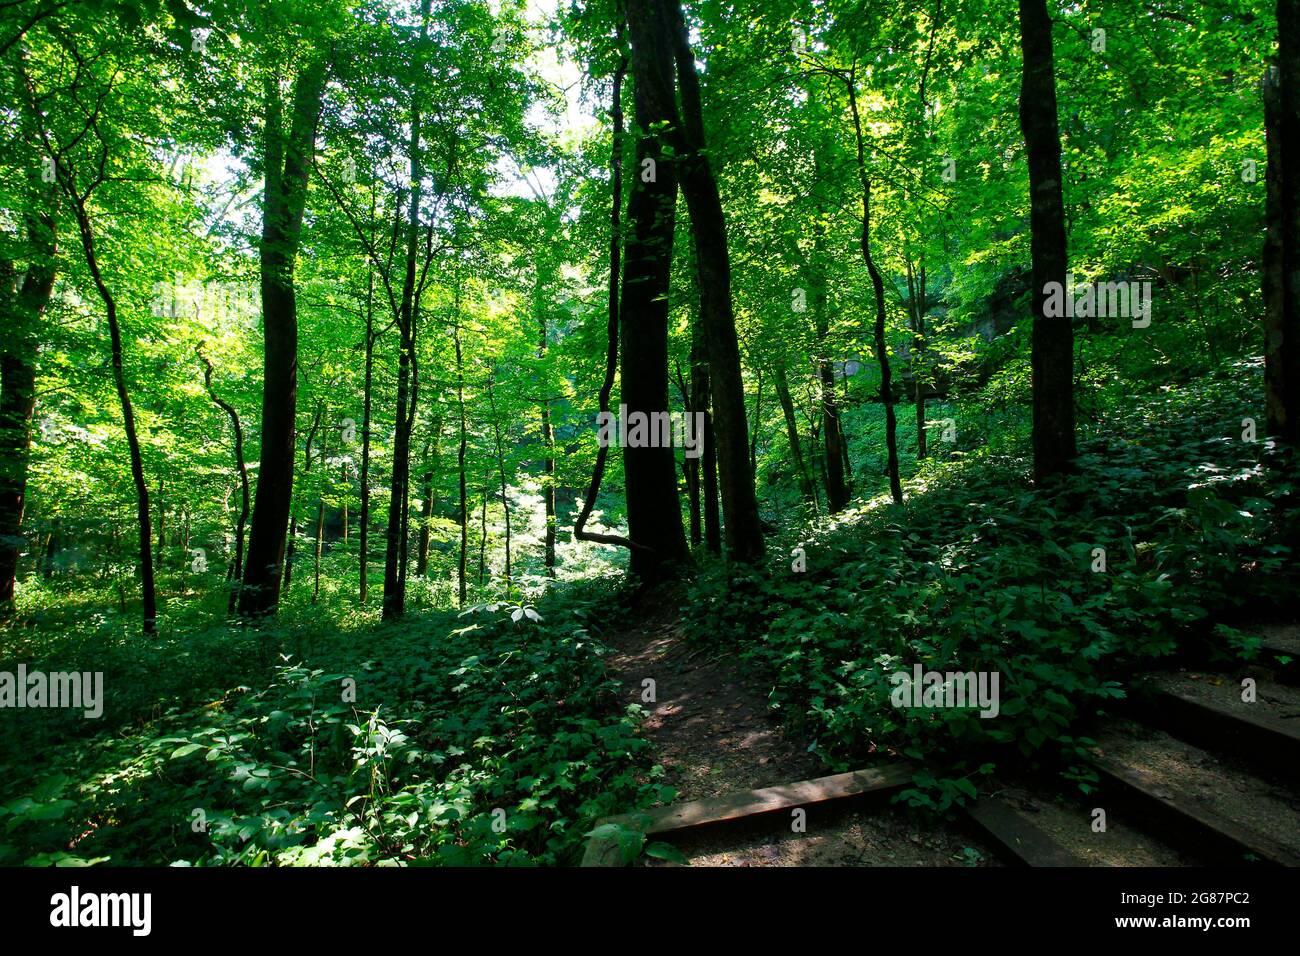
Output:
(878, 287)
(792, 433)
(548, 442)
(162, 527)
(460, 458)
(363, 532)
(501, 466)
(916, 307)
(293, 526)
(482, 532)
(700, 401)
(320, 533)
(237, 569)
(612, 320)
(147, 593)
(426, 509)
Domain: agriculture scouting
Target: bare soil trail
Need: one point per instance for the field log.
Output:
(714, 734)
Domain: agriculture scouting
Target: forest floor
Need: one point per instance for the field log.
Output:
(713, 734)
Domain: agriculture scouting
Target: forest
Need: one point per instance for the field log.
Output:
(649, 432)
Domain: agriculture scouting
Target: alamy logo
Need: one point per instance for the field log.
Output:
(652, 430)
(81, 690)
(73, 909)
(1099, 299)
(923, 688)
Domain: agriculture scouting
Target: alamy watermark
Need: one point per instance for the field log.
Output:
(82, 690)
(1123, 299)
(952, 689)
(76, 909)
(652, 430)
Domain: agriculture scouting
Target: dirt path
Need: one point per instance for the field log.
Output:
(711, 730)
(713, 734)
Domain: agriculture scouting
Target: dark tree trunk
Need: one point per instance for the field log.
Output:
(23, 309)
(482, 530)
(460, 460)
(147, 593)
(712, 514)
(1053, 337)
(237, 568)
(363, 531)
(878, 289)
(792, 433)
(1282, 292)
(837, 495)
(612, 317)
(394, 563)
(916, 307)
(708, 225)
(548, 442)
(650, 474)
(162, 527)
(1275, 397)
(708, 460)
(426, 508)
(501, 468)
(287, 165)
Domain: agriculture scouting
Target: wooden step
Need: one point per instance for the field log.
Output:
(605, 851)
(1193, 707)
(1019, 837)
(1191, 808)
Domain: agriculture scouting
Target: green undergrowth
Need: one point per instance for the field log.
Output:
(980, 571)
(492, 737)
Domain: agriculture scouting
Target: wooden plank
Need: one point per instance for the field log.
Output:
(1268, 741)
(1201, 828)
(1019, 836)
(745, 803)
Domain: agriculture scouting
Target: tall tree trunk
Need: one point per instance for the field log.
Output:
(426, 508)
(147, 593)
(1053, 337)
(712, 514)
(482, 530)
(23, 309)
(1282, 293)
(287, 165)
(395, 556)
(237, 569)
(460, 460)
(306, 470)
(612, 318)
(916, 309)
(501, 468)
(162, 527)
(792, 432)
(708, 225)
(363, 531)
(650, 473)
(837, 495)
(548, 442)
(878, 288)
(320, 537)
(1275, 392)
